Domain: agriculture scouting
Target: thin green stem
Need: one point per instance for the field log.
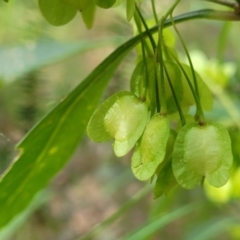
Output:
(143, 44)
(159, 70)
(183, 121)
(184, 73)
(170, 10)
(139, 28)
(199, 111)
(146, 28)
(222, 42)
(154, 11)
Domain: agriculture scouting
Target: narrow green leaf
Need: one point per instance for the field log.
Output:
(158, 223)
(9, 230)
(106, 3)
(57, 12)
(211, 229)
(46, 149)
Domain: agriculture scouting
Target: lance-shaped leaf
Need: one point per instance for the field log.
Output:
(151, 150)
(50, 144)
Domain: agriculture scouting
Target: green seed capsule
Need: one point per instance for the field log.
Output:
(151, 151)
(202, 152)
(121, 117)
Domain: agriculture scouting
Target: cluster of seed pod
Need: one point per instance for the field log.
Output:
(184, 155)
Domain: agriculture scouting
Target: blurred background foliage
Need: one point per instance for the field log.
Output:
(40, 64)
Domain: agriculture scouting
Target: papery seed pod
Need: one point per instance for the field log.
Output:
(121, 117)
(202, 152)
(152, 148)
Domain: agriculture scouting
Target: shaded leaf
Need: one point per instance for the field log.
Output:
(165, 181)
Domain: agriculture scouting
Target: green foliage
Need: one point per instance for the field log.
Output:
(164, 92)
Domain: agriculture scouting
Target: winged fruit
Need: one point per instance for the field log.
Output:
(121, 117)
(202, 152)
